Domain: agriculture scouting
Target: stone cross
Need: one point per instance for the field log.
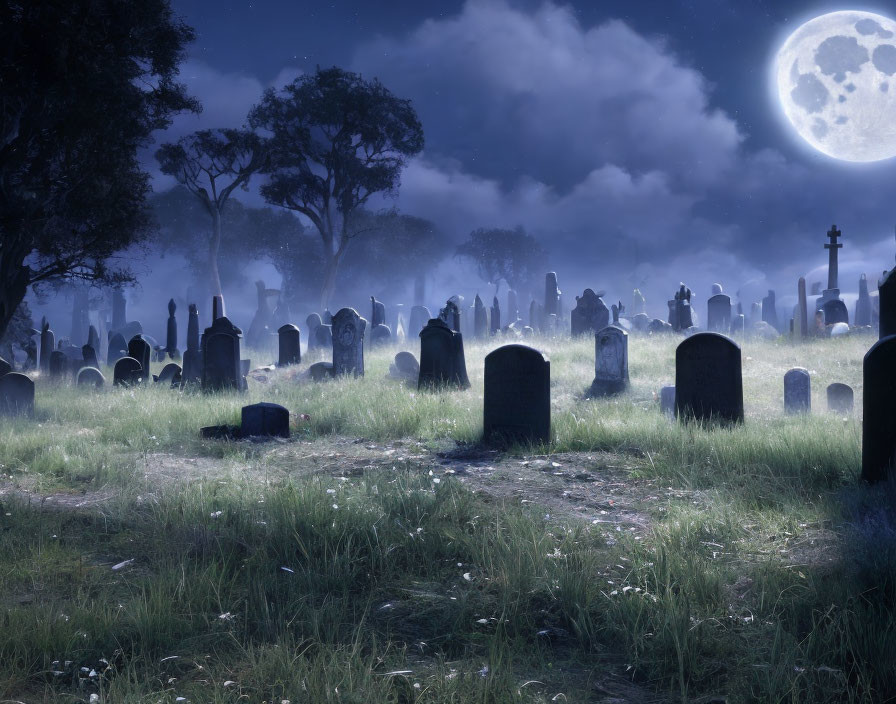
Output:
(832, 248)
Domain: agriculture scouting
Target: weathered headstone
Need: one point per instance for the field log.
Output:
(590, 314)
(708, 379)
(192, 369)
(378, 311)
(863, 304)
(797, 391)
(420, 316)
(442, 361)
(290, 342)
(221, 369)
(264, 420)
(118, 348)
(517, 396)
(769, 310)
(840, 398)
(451, 315)
(218, 308)
(59, 366)
(879, 410)
(718, 313)
(610, 362)
(380, 335)
(667, 400)
(803, 309)
(320, 371)
(16, 394)
(91, 376)
(886, 293)
(348, 342)
(405, 367)
(171, 332)
(140, 349)
(127, 372)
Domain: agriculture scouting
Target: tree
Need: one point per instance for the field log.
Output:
(211, 164)
(83, 84)
(511, 255)
(336, 139)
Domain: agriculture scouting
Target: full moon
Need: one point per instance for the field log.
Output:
(837, 84)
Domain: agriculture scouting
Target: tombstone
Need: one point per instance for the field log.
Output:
(840, 398)
(551, 295)
(797, 391)
(680, 314)
(171, 332)
(127, 372)
(590, 314)
(348, 342)
(5, 367)
(835, 312)
(141, 350)
(171, 374)
(708, 379)
(480, 319)
(716, 290)
(802, 309)
(192, 369)
(494, 317)
(221, 368)
(59, 366)
(639, 303)
(218, 308)
(378, 316)
(610, 362)
(16, 394)
(118, 348)
(667, 400)
(88, 355)
(442, 361)
(886, 294)
(517, 396)
(264, 420)
(640, 321)
(862, 315)
(513, 310)
(451, 315)
(380, 335)
(769, 310)
(405, 367)
(290, 343)
(313, 322)
(327, 317)
(47, 345)
(320, 371)
(878, 410)
(420, 315)
(718, 313)
(658, 326)
(119, 309)
(91, 376)
(536, 316)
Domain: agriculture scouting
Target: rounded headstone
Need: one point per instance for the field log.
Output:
(91, 376)
(667, 400)
(840, 398)
(797, 391)
(171, 373)
(265, 419)
(839, 329)
(127, 371)
(16, 394)
(708, 379)
(319, 371)
(517, 396)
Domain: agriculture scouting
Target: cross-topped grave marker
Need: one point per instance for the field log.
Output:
(832, 248)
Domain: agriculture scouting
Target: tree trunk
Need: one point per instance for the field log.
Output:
(214, 278)
(14, 278)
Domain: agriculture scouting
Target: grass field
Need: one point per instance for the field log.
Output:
(383, 555)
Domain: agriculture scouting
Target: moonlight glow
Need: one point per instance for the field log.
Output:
(836, 79)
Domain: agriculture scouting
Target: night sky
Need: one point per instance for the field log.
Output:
(639, 137)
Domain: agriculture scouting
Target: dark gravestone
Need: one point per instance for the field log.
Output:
(16, 394)
(451, 315)
(380, 335)
(127, 372)
(192, 369)
(797, 391)
(265, 420)
(378, 313)
(494, 318)
(835, 312)
(879, 410)
(171, 374)
(517, 397)
(348, 342)
(5, 367)
(442, 361)
(171, 332)
(320, 371)
(801, 317)
(59, 366)
(141, 350)
(590, 315)
(536, 316)
(221, 357)
(708, 379)
(313, 322)
(118, 348)
(193, 328)
(886, 291)
(718, 313)
(840, 398)
(47, 345)
(769, 310)
(88, 357)
(863, 304)
(290, 341)
(405, 367)
(480, 319)
(218, 308)
(667, 400)
(610, 362)
(680, 314)
(131, 329)
(91, 376)
(420, 316)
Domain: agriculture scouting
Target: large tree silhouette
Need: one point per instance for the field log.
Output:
(335, 141)
(83, 83)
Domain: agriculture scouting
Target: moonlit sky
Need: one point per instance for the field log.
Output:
(633, 137)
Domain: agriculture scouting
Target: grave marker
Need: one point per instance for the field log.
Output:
(517, 396)
(708, 379)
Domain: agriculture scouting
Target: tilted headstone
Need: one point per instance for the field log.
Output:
(88, 357)
(319, 371)
(221, 369)
(797, 391)
(708, 379)
(610, 362)
(442, 361)
(879, 410)
(140, 349)
(127, 372)
(769, 310)
(840, 398)
(667, 400)
(551, 295)
(718, 313)
(16, 394)
(264, 420)
(290, 345)
(863, 304)
(171, 374)
(118, 348)
(171, 332)
(835, 312)
(420, 316)
(91, 376)
(590, 314)
(59, 366)
(312, 323)
(480, 319)
(405, 367)
(47, 345)
(517, 396)
(5, 367)
(348, 342)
